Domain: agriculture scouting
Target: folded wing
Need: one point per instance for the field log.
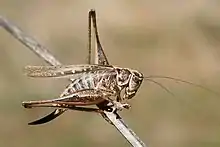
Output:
(62, 70)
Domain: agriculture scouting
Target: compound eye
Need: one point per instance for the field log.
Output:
(137, 74)
(136, 79)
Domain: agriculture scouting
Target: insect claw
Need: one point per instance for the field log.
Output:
(120, 106)
(109, 109)
(126, 106)
(26, 105)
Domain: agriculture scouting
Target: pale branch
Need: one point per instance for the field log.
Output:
(28, 41)
(42, 52)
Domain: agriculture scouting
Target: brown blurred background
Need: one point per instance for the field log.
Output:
(174, 38)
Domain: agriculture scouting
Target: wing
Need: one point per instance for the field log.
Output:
(61, 70)
(79, 98)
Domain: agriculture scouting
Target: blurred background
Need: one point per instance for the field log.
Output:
(172, 38)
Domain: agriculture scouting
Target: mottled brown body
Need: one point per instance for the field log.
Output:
(91, 86)
(99, 84)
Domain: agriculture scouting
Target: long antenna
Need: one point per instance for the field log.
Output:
(182, 81)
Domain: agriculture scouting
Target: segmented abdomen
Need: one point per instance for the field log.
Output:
(103, 79)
